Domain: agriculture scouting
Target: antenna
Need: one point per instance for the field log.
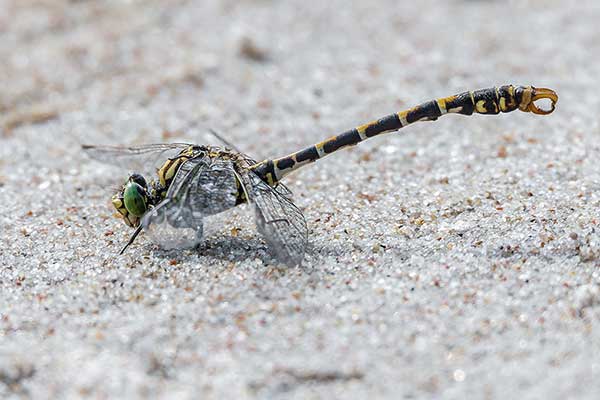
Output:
(222, 139)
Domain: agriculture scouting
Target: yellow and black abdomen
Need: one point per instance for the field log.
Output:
(485, 101)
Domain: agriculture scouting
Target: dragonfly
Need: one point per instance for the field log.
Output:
(194, 182)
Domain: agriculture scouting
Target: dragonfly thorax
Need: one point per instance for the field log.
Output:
(167, 171)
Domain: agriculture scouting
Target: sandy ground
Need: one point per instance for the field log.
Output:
(458, 259)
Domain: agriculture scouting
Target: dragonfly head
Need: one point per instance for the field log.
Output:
(132, 200)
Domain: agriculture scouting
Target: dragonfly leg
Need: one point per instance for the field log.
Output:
(131, 239)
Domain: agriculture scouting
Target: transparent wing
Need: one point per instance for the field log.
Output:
(284, 191)
(280, 222)
(143, 159)
(172, 224)
(202, 186)
(280, 187)
(212, 190)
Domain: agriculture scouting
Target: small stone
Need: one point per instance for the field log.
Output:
(249, 49)
(573, 235)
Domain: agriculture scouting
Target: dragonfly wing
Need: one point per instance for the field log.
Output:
(284, 191)
(280, 187)
(171, 227)
(172, 224)
(202, 186)
(281, 223)
(144, 159)
(213, 189)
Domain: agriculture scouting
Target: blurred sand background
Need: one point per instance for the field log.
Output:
(458, 259)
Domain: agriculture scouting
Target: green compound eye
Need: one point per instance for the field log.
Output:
(135, 199)
(139, 179)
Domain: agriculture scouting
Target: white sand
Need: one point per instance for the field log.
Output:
(457, 260)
